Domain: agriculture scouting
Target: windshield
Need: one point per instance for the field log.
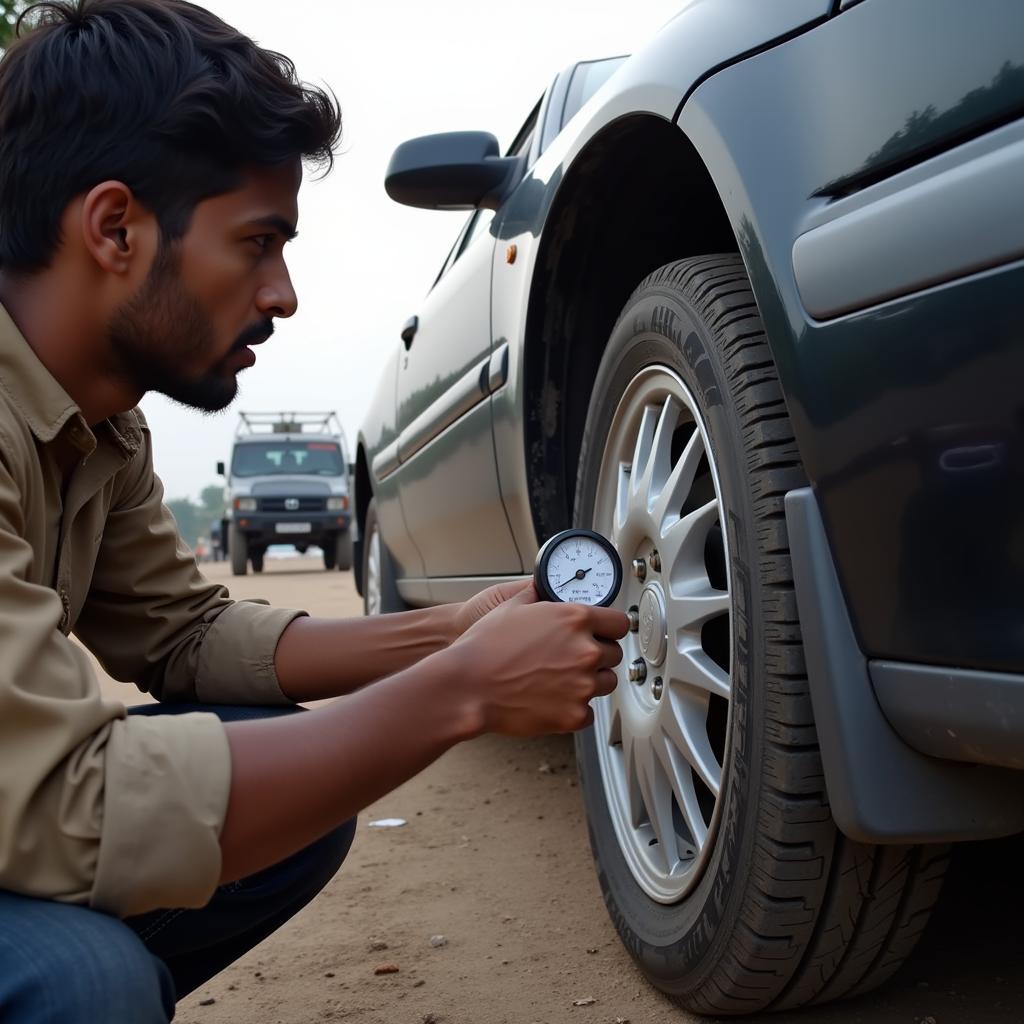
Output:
(266, 458)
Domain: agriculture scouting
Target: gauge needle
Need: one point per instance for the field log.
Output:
(577, 575)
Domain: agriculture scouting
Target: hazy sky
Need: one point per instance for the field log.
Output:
(361, 263)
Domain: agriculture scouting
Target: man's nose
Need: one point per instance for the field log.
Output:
(277, 298)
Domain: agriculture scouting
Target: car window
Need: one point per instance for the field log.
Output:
(586, 79)
(524, 137)
(279, 457)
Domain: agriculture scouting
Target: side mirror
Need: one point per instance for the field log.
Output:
(452, 171)
(220, 469)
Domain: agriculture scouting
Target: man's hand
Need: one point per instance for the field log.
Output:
(532, 668)
(487, 600)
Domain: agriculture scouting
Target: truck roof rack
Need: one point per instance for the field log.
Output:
(257, 423)
(288, 423)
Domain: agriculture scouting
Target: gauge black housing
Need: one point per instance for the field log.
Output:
(540, 568)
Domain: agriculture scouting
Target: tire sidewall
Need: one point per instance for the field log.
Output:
(659, 327)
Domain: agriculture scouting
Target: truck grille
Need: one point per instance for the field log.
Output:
(305, 505)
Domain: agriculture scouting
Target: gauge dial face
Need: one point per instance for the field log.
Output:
(579, 567)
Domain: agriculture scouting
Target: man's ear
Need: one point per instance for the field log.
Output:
(117, 231)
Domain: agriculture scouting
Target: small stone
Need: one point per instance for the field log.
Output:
(438, 940)
(232, 987)
(430, 1018)
(207, 1002)
(328, 974)
(544, 768)
(386, 969)
(258, 974)
(506, 918)
(586, 1001)
(621, 1020)
(504, 963)
(928, 1020)
(418, 983)
(376, 945)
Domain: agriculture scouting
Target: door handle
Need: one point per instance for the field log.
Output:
(412, 325)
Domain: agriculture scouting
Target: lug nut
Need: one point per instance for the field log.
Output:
(656, 687)
(640, 569)
(638, 671)
(655, 561)
(633, 614)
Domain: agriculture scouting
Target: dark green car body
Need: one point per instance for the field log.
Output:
(867, 161)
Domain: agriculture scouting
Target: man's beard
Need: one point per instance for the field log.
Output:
(163, 329)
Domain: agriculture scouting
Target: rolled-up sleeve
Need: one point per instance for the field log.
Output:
(152, 618)
(123, 813)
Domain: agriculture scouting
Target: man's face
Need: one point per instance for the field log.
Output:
(212, 294)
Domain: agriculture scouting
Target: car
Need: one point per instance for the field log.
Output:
(754, 312)
(287, 483)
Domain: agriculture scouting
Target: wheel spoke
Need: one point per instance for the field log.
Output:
(642, 451)
(681, 780)
(682, 543)
(690, 607)
(690, 665)
(656, 795)
(686, 729)
(658, 467)
(673, 494)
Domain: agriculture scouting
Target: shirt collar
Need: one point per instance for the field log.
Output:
(46, 406)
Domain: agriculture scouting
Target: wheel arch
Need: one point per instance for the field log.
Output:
(637, 197)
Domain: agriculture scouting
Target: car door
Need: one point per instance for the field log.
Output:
(447, 480)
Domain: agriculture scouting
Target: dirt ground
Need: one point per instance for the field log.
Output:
(494, 858)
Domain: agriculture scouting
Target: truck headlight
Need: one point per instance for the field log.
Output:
(245, 504)
(337, 504)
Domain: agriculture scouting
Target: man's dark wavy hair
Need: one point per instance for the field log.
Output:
(158, 94)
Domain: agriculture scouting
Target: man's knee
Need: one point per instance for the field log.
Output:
(330, 852)
(79, 965)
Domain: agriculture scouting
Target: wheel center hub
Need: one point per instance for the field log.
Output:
(653, 630)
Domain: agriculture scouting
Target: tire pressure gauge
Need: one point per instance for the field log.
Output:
(580, 567)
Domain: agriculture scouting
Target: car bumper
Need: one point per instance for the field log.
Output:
(297, 528)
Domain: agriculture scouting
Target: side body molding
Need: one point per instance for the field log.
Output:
(472, 388)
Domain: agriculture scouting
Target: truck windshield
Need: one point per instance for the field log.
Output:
(266, 458)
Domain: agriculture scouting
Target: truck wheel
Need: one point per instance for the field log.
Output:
(720, 864)
(343, 551)
(256, 557)
(380, 594)
(239, 548)
(330, 550)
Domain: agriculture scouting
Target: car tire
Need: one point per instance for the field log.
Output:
(239, 548)
(380, 593)
(330, 551)
(343, 551)
(770, 906)
(256, 558)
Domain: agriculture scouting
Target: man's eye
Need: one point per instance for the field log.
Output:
(262, 241)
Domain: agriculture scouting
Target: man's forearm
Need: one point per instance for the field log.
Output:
(296, 777)
(317, 658)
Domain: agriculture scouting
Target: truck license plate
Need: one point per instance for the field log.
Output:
(294, 527)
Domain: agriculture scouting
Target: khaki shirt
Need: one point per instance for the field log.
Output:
(122, 813)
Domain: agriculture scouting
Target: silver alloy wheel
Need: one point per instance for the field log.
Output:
(373, 580)
(662, 740)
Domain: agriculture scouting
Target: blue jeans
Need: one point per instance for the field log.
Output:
(63, 964)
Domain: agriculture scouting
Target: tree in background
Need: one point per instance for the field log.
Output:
(9, 11)
(195, 519)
